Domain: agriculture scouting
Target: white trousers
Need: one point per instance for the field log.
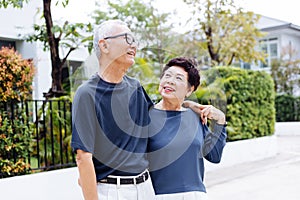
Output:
(141, 191)
(183, 196)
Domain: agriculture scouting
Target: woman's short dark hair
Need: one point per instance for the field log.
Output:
(189, 65)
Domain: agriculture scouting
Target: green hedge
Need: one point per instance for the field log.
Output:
(287, 108)
(247, 97)
(15, 144)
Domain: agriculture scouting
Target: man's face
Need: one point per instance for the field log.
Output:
(119, 51)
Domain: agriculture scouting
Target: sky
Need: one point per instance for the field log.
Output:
(286, 10)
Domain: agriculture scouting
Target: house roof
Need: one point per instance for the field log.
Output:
(283, 26)
(268, 24)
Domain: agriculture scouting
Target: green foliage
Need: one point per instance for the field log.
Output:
(70, 36)
(15, 139)
(224, 32)
(54, 116)
(287, 108)
(250, 97)
(16, 75)
(143, 71)
(13, 3)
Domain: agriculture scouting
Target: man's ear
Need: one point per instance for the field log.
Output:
(190, 91)
(103, 45)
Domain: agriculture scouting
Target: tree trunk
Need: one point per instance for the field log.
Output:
(56, 89)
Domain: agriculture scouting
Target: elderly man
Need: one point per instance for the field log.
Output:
(110, 122)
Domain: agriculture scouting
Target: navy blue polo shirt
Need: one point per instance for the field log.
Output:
(111, 122)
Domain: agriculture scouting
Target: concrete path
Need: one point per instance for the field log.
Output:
(276, 178)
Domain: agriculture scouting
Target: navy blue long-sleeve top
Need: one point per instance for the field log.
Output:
(177, 145)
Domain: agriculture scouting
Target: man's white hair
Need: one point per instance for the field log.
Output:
(104, 30)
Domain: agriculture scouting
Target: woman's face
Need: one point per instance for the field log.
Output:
(174, 84)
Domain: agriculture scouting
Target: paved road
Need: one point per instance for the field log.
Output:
(276, 178)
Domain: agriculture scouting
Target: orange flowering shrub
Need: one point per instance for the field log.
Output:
(16, 75)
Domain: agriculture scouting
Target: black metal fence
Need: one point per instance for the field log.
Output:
(50, 122)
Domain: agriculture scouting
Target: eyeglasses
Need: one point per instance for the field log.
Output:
(129, 38)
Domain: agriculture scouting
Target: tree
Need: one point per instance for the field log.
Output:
(225, 32)
(286, 71)
(69, 36)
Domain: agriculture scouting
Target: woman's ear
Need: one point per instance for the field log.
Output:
(190, 91)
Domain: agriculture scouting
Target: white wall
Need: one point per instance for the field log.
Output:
(15, 23)
(53, 185)
(245, 151)
(293, 40)
(254, 149)
(287, 128)
(43, 80)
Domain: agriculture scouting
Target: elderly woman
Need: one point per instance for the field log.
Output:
(179, 139)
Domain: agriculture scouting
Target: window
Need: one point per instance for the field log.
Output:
(241, 64)
(270, 47)
(246, 66)
(6, 43)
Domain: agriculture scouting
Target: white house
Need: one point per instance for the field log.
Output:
(16, 23)
(279, 35)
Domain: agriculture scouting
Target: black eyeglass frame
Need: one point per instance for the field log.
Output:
(120, 35)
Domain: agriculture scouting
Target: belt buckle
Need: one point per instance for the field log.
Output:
(144, 177)
(103, 180)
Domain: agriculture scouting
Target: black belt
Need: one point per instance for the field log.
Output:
(140, 179)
